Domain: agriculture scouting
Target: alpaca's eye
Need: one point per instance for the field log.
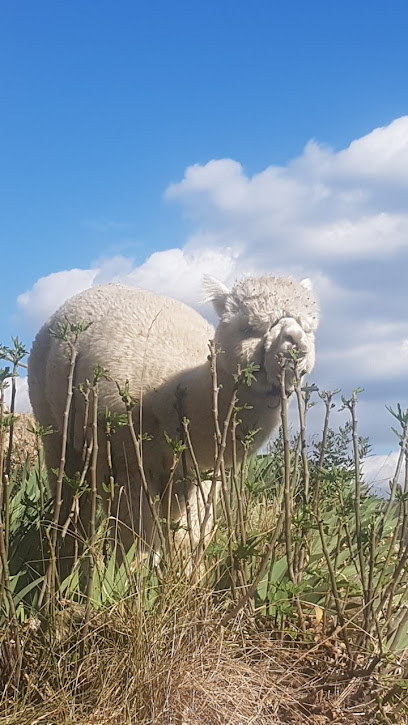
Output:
(249, 332)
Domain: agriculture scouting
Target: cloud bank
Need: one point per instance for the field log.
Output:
(339, 217)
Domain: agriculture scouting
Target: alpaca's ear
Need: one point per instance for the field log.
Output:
(307, 284)
(215, 292)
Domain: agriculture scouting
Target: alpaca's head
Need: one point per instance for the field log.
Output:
(261, 317)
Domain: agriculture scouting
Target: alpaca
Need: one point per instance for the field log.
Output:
(160, 346)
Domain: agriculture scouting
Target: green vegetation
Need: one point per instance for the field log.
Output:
(294, 610)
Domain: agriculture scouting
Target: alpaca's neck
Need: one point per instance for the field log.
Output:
(257, 410)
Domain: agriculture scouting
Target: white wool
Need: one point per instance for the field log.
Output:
(161, 346)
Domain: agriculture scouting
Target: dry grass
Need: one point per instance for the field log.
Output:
(24, 443)
(310, 625)
(175, 665)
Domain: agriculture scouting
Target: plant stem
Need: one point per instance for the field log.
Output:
(262, 568)
(287, 482)
(12, 609)
(92, 520)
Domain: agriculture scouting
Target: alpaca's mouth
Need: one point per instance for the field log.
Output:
(271, 388)
(268, 377)
(270, 372)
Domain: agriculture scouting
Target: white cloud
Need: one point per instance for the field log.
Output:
(381, 154)
(48, 293)
(378, 234)
(178, 273)
(322, 204)
(22, 401)
(370, 360)
(174, 272)
(379, 471)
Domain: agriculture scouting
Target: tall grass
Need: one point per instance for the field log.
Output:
(294, 607)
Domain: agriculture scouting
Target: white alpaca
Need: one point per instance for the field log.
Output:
(161, 346)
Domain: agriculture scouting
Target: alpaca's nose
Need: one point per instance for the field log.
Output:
(294, 336)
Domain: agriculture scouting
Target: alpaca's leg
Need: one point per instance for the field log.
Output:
(53, 452)
(131, 511)
(197, 509)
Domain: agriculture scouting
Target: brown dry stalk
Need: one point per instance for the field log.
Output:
(302, 435)
(261, 571)
(168, 493)
(49, 584)
(327, 398)
(137, 447)
(11, 428)
(92, 520)
(220, 450)
(187, 438)
(2, 441)
(357, 500)
(287, 481)
(403, 453)
(333, 581)
(12, 610)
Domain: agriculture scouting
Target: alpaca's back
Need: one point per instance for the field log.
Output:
(137, 335)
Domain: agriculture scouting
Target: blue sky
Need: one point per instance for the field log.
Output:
(111, 114)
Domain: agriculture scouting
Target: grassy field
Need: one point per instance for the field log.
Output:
(294, 610)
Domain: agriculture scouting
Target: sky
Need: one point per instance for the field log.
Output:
(153, 142)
